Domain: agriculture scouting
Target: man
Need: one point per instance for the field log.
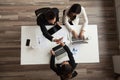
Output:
(66, 69)
(48, 16)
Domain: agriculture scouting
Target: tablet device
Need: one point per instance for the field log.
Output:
(54, 29)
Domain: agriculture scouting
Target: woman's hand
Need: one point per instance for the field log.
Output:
(74, 34)
(81, 35)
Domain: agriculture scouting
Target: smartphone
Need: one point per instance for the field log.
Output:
(28, 42)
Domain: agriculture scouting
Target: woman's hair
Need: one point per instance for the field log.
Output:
(75, 8)
(50, 15)
(66, 71)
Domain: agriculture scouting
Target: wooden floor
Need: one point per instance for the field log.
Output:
(17, 13)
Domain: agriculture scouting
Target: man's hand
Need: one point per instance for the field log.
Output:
(58, 40)
(74, 34)
(52, 52)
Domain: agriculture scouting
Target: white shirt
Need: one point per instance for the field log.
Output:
(76, 20)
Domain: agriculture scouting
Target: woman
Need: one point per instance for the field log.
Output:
(71, 17)
(66, 69)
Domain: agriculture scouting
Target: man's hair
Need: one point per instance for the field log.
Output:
(50, 15)
(66, 71)
(75, 8)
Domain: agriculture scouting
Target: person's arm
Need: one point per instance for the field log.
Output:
(43, 28)
(85, 18)
(69, 27)
(45, 33)
(66, 21)
(56, 11)
(52, 63)
(67, 24)
(70, 55)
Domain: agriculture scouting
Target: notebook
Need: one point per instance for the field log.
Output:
(59, 52)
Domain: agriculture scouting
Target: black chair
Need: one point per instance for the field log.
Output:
(63, 17)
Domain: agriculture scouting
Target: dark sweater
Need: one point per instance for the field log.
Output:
(57, 67)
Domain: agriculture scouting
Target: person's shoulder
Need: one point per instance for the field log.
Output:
(82, 8)
(41, 17)
(66, 10)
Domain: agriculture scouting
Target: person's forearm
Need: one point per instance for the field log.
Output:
(48, 36)
(84, 26)
(43, 28)
(70, 55)
(45, 32)
(85, 18)
(75, 34)
(69, 27)
(85, 22)
(52, 62)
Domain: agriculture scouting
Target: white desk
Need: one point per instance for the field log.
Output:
(39, 54)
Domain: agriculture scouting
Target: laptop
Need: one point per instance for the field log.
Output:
(79, 41)
(59, 52)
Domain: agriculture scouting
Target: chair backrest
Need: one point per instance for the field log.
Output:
(41, 10)
(63, 17)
